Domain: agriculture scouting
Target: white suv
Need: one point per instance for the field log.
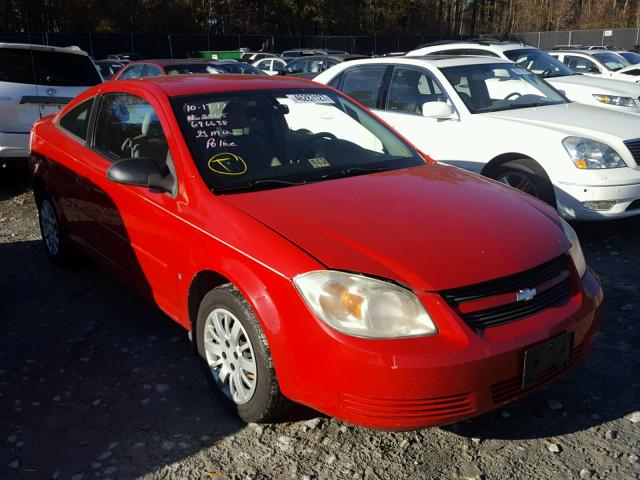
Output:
(36, 80)
(493, 117)
(601, 92)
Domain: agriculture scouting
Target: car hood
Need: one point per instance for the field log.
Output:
(576, 119)
(431, 227)
(599, 85)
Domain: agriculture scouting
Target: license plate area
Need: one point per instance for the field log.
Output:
(553, 354)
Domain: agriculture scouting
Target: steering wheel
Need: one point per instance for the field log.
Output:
(313, 138)
(516, 94)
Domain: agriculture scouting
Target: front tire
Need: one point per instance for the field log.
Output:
(528, 177)
(235, 356)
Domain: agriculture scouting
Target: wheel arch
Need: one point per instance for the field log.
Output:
(490, 168)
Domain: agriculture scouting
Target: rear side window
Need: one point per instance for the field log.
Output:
(134, 71)
(64, 69)
(76, 121)
(363, 84)
(15, 66)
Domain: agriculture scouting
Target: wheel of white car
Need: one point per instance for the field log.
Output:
(527, 176)
(236, 358)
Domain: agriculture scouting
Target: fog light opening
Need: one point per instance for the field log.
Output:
(600, 205)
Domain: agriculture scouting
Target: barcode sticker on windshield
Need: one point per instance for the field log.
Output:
(309, 98)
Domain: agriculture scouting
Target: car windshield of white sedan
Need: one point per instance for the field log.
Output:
(539, 62)
(612, 61)
(496, 87)
(631, 57)
(277, 138)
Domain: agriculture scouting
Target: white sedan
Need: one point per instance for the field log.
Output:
(493, 117)
(270, 66)
(595, 63)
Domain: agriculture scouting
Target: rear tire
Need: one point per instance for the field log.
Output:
(54, 239)
(235, 357)
(528, 177)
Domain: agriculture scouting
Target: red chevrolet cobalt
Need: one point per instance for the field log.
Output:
(314, 255)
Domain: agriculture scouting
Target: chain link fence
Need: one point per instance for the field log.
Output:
(616, 37)
(162, 45)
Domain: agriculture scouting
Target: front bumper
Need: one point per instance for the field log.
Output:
(405, 384)
(619, 185)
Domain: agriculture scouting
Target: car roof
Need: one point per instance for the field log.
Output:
(340, 57)
(583, 52)
(173, 61)
(44, 48)
(179, 85)
(491, 45)
(439, 61)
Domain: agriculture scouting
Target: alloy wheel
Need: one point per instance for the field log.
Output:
(50, 227)
(230, 355)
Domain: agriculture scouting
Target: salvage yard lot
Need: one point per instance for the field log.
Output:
(95, 382)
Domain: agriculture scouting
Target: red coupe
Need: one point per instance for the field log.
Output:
(313, 253)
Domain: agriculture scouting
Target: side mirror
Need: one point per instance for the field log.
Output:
(439, 110)
(140, 172)
(593, 70)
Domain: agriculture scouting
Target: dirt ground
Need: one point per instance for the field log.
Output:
(96, 383)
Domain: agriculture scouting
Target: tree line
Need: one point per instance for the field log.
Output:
(317, 17)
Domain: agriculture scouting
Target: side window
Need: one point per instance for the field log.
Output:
(363, 84)
(316, 66)
(296, 66)
(134, 71)
(127, 127)
(76, 121)
(16, 66)
(278, 66)
(410, 88)
(152, 71)
(580, 64)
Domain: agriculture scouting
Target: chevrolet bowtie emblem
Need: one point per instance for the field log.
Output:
(525, 294)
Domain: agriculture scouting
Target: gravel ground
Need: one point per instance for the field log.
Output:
(96, 383)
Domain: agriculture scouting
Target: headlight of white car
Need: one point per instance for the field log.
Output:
(576, 249)
(590, 154)
(616, 100)
(364, 307)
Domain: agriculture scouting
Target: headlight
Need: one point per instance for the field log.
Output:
(589, 154)
(364, 307)
(615, 100)
(576, 249)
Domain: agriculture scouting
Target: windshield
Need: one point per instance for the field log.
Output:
(275, 138)
(539, 62)
(501, 86)
(191, 68)
(631, 57)
(238, 67)
(612, 61)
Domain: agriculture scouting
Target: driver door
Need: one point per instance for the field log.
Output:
(408, 89)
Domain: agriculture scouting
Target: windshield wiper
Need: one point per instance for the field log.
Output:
(275, 180)
(345, 172)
